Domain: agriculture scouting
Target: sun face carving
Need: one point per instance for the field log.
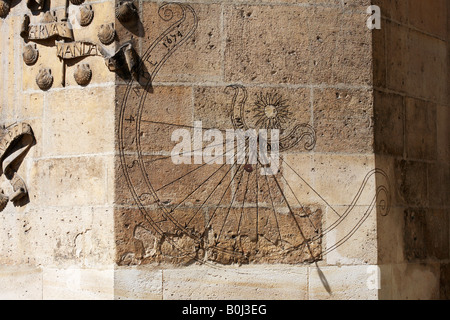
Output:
(271, 111)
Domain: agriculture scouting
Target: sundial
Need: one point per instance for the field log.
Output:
(209, 191)
(223, 211)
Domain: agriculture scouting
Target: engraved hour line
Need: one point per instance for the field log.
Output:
(257, 206)
(303, 209)
(178, 125)
(232, 201)
(292, 214)
(311, 188)
(155, 71)
(184, 153)
(212, 192)
(201, 184)
(193, 170)
(223, 195)
(273, 208)
(243, 202)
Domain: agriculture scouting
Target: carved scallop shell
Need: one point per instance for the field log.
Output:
(49, 17)
(83, 74)
(4, 8)
(77, 2)
(85, 15)
(44, 79)
(30, 54)
(126, 11)
(106, 33)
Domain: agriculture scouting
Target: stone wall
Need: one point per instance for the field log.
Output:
(360, 201)
(308, 232)
(411, 109)
(60, 244)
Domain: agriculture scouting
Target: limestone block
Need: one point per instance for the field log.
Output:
(420, 131)
(388, 124)
(75, 283)
(379, 56)
(415, 281)
(164, 110)
(337, 178)
(444, 282)
(426, 234)
(390, 231)
(426, 68)
(138, 283)
(430, 18)
(69, 181)
(343, 120)
(343, 283)
(20, 282)
(206, 42)
(443, 133)
(297, 48)
(396, 64)
(266, 44)
(213, 106)
(60, 237)
(264, 282)
(89, 119)
(410, 183)
(438, 177)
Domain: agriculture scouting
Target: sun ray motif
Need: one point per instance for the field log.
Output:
(271, 111)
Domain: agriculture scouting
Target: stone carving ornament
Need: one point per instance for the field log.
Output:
(4, 8)
(15, 143)
(30, 54)
(44, 79)
(85, 15)
(106, 33)
(126, 11)
(77, 2)
(49, 17)
(83, 74)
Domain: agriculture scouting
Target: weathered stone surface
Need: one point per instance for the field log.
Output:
(91, 205)
(20, 283)
(389, 125)
(205, 44)
(342, 283)
(76, 283)
(410, 183)
(445, 282)
(274, 283)
(426, 234)
(138, 283)
(415, 281)
(291, 54)
(420, 133)
(68, 117)
(343, 120)
(251, 235)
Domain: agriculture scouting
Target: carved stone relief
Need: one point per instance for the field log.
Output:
(126, 11)
(50, 28)
(4, 8)
(85, 15)
(15, 143)
(44, 79)
(83, 74)
(107, 33)
(30, 54)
